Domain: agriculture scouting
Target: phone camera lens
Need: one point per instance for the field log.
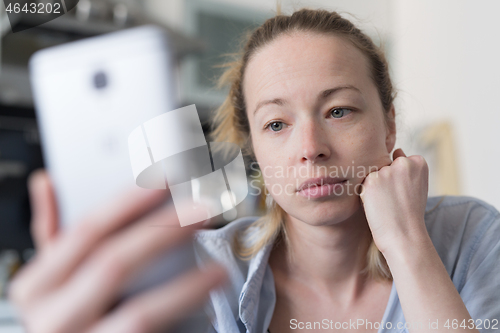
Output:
(100, 80)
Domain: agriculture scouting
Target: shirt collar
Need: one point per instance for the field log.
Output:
(250, 293)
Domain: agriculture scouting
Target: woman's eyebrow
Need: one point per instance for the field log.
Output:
(328, 92)
(278, 101)
(322, 95)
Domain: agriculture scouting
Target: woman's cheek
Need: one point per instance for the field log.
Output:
(369, 156)
(278, 185)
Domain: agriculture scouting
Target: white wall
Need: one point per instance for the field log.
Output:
(447, 66)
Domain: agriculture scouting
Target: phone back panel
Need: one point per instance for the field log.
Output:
(89, 95)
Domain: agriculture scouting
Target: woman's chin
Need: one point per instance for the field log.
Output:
(325, 212)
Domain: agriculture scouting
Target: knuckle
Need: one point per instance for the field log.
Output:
(422, 161)
(367, 182)
(418, 159)
(401, 163)
(404, 161)
(425, 166)
(372, 176)
(384, 171)
(366, 185)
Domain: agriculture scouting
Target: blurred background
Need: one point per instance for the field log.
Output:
(443, 57)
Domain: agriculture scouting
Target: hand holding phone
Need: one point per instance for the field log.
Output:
(74, 281)
(129, 262)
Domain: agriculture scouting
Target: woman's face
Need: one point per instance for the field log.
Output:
(315, 112)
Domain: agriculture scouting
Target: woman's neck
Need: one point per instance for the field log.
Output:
(328, 259)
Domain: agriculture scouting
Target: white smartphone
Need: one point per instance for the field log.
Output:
(89, 96)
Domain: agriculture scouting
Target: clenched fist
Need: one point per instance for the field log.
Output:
(394, 200)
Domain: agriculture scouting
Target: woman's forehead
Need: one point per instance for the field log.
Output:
(304, 60)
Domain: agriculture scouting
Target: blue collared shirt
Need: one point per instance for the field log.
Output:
(465, 232)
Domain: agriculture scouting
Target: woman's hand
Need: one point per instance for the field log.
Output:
(394, 199)
(78, 275)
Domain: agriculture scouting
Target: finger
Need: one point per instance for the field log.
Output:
(361, 192)
(101, 279)
(398, 153)
(161, 308)
(361, 202)
(53, 266)
(44, 222)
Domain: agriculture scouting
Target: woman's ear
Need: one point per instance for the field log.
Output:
(390, 139)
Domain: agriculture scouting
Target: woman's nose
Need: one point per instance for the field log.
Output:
(313, 143)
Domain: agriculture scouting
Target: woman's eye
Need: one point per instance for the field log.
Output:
(340, 112)
(276, 126)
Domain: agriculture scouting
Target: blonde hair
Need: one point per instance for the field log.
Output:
(230, 122)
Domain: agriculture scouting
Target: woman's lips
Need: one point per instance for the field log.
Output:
(315, 192)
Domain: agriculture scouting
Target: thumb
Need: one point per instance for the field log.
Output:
(398, 153)
(44, 221)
